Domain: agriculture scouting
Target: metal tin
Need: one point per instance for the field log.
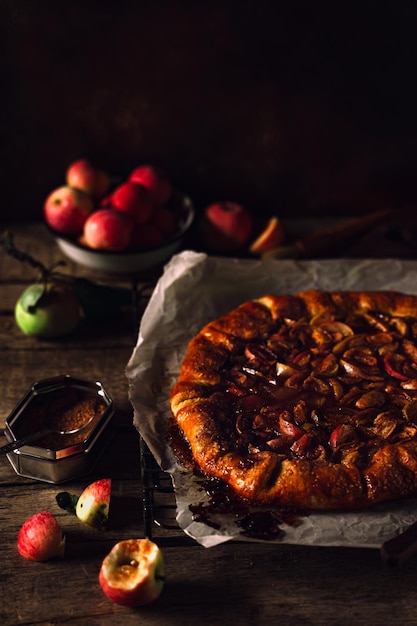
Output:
(56, 457)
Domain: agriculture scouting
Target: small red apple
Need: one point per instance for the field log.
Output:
(134, 200)
(82, 174)
(165, 220)
(226, 227)
(147, 236)
(66, 210)
(132, 574)
(155, 180)
(93, 505)
(107, 229)
(41, 538)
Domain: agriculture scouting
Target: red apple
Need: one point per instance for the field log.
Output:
(41, 538)
(271, 236)
(226, 226)
(66, 210)
(132, 574)
(165, 220)
(82, 174)
(147, 236)
(134, 200)
(107, 229)
(93, 505)
(155, 180)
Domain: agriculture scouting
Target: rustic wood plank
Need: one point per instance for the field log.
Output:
(24, 367)
(235, 583)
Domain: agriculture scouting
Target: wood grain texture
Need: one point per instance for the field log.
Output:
(248, 584)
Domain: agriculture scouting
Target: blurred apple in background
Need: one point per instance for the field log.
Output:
(155, 180)
(165, 220)
(66, 210)
(226, 227)
(140, 213)
(134, 200)
(147, 236)
(108, 229)
(82, 174)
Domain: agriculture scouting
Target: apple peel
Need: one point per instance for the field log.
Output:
(271, 237)
(133, 573)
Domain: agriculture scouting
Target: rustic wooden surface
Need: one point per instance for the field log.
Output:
(246, 584)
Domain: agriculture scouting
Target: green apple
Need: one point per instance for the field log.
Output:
(48, 310)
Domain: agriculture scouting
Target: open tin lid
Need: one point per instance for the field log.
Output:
(81, 408)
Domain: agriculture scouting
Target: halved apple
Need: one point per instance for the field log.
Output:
(94, 503)
(271, 237)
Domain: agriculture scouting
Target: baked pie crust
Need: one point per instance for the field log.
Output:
(306, 401)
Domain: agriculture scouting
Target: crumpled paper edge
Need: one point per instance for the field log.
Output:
(196, 288)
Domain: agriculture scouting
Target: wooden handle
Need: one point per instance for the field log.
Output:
(333, 237)
(330, 239)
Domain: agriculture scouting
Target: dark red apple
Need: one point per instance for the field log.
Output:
(155, 180)
(226, 227)
(165, 220)
(147, 236)
(134, 200)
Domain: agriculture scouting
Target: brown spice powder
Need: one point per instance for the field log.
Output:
(65, 409)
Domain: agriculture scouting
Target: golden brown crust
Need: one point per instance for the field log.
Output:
(346, 437)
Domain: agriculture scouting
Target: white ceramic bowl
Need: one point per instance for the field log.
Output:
(130, 262)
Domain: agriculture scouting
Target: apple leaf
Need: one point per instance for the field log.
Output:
(67, 501)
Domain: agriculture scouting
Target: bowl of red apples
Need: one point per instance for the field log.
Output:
(129, 226)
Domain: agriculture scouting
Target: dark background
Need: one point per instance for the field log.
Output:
(294, 108)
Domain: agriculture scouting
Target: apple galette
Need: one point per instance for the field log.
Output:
(306, 401)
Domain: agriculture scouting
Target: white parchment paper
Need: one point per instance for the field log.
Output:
(193, 290)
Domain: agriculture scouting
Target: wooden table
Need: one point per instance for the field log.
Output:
(246, 584)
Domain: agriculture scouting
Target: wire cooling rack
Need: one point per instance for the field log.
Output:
(158, 494)
(159, 507)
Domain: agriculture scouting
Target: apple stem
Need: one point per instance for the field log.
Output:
(6, 240)
(99, 302)
(67, 501)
